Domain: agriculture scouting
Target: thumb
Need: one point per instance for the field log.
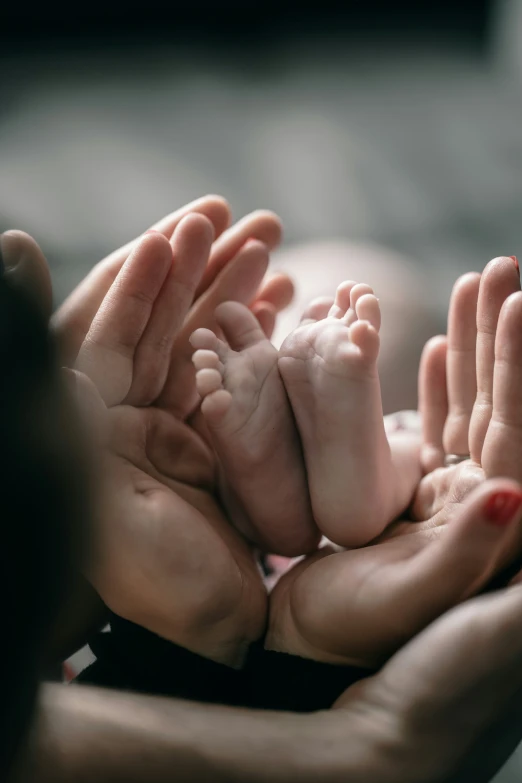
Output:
(484, 536)
(25, 266)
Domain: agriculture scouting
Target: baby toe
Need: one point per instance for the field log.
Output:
(366, 338)
(208, 381)
(204, 339)
(368, 309)
(203, 359)
(216, 405)
(357, 291)
(342, 299)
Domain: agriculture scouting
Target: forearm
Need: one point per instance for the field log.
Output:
(84, 734)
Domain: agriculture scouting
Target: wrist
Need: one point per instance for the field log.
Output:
(400, 753)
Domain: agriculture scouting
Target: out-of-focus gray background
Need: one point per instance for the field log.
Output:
(414, 142)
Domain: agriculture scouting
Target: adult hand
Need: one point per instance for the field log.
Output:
(469, 387)
(447, 706)
(359, 606)
(24, 265)
(445, 709)
(165, 556)
(235, 271)
(74, 317)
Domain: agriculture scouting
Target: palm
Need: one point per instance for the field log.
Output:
(359, 606)
(161, 479)
(349, 607)
(167, 557)
(442, 488)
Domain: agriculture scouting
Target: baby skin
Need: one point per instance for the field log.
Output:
(324, 381)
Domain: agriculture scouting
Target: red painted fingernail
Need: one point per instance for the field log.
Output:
(515, 259)
(502, 507)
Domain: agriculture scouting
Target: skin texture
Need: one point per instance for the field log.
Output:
(186, 560)
(176, 267)
(469, 387)
(435, 712)
(359, 606)
(74, 317)
(409, 314)
(445, 708)
(133, 600)
(359, 481)
(246, 410)
(318, 396)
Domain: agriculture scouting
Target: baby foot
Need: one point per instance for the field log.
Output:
(253, 432)
(358, 484)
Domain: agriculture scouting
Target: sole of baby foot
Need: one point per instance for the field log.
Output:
(330, 373)
(247, 412)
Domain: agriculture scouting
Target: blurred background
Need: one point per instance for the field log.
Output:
(393, 122)
(376, 122)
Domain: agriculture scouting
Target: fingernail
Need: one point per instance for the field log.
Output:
(515, 260)
(152, 231)
(9, 251)
(502, 507)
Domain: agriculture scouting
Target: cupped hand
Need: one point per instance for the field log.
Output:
(73, 319)
(165, 556)
(359, 606)
(468, 389)
(135, 349)
(446, 707)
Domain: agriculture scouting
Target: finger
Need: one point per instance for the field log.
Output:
(484, 532)
(266, 314)
(499, 279)
(460, 363)
(433, 402)
(107, 353)
(277, 290)
(191, 245)
(73, 319)
(214, 208)
(261, 225)
(502, 451)
(25, 266)
(237, 282)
